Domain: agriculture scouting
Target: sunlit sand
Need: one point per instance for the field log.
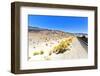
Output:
(54, 45)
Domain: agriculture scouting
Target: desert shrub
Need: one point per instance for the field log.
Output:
(34, 47)
(46, 44)
(39, 52)
(36, 53)
(62, 46)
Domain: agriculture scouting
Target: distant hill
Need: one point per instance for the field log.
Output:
(38, 29)
(30, 28)
(81, 34)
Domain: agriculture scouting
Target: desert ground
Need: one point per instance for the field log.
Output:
(54, 45)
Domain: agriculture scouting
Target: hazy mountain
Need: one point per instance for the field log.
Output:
(78, 34)
(30, 28)
(81, 34)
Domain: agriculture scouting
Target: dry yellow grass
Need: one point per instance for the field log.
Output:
(62, 46)
(39, 52)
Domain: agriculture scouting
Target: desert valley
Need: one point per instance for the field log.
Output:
(46, 44)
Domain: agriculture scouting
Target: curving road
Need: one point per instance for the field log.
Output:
(84, 44)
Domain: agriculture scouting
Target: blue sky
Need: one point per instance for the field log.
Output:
(64, 23)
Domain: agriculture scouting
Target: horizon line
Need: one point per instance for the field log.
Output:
(58, 30)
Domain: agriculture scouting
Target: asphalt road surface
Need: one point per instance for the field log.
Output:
(84, 44)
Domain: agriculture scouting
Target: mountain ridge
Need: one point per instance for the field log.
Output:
(31, 28)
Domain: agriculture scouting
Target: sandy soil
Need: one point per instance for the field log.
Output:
(41, 43)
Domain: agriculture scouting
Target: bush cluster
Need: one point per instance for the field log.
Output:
(63, 45)
(40, 52)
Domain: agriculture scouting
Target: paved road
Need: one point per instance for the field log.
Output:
(84, 44)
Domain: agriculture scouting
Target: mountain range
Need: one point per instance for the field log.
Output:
(31, 28)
